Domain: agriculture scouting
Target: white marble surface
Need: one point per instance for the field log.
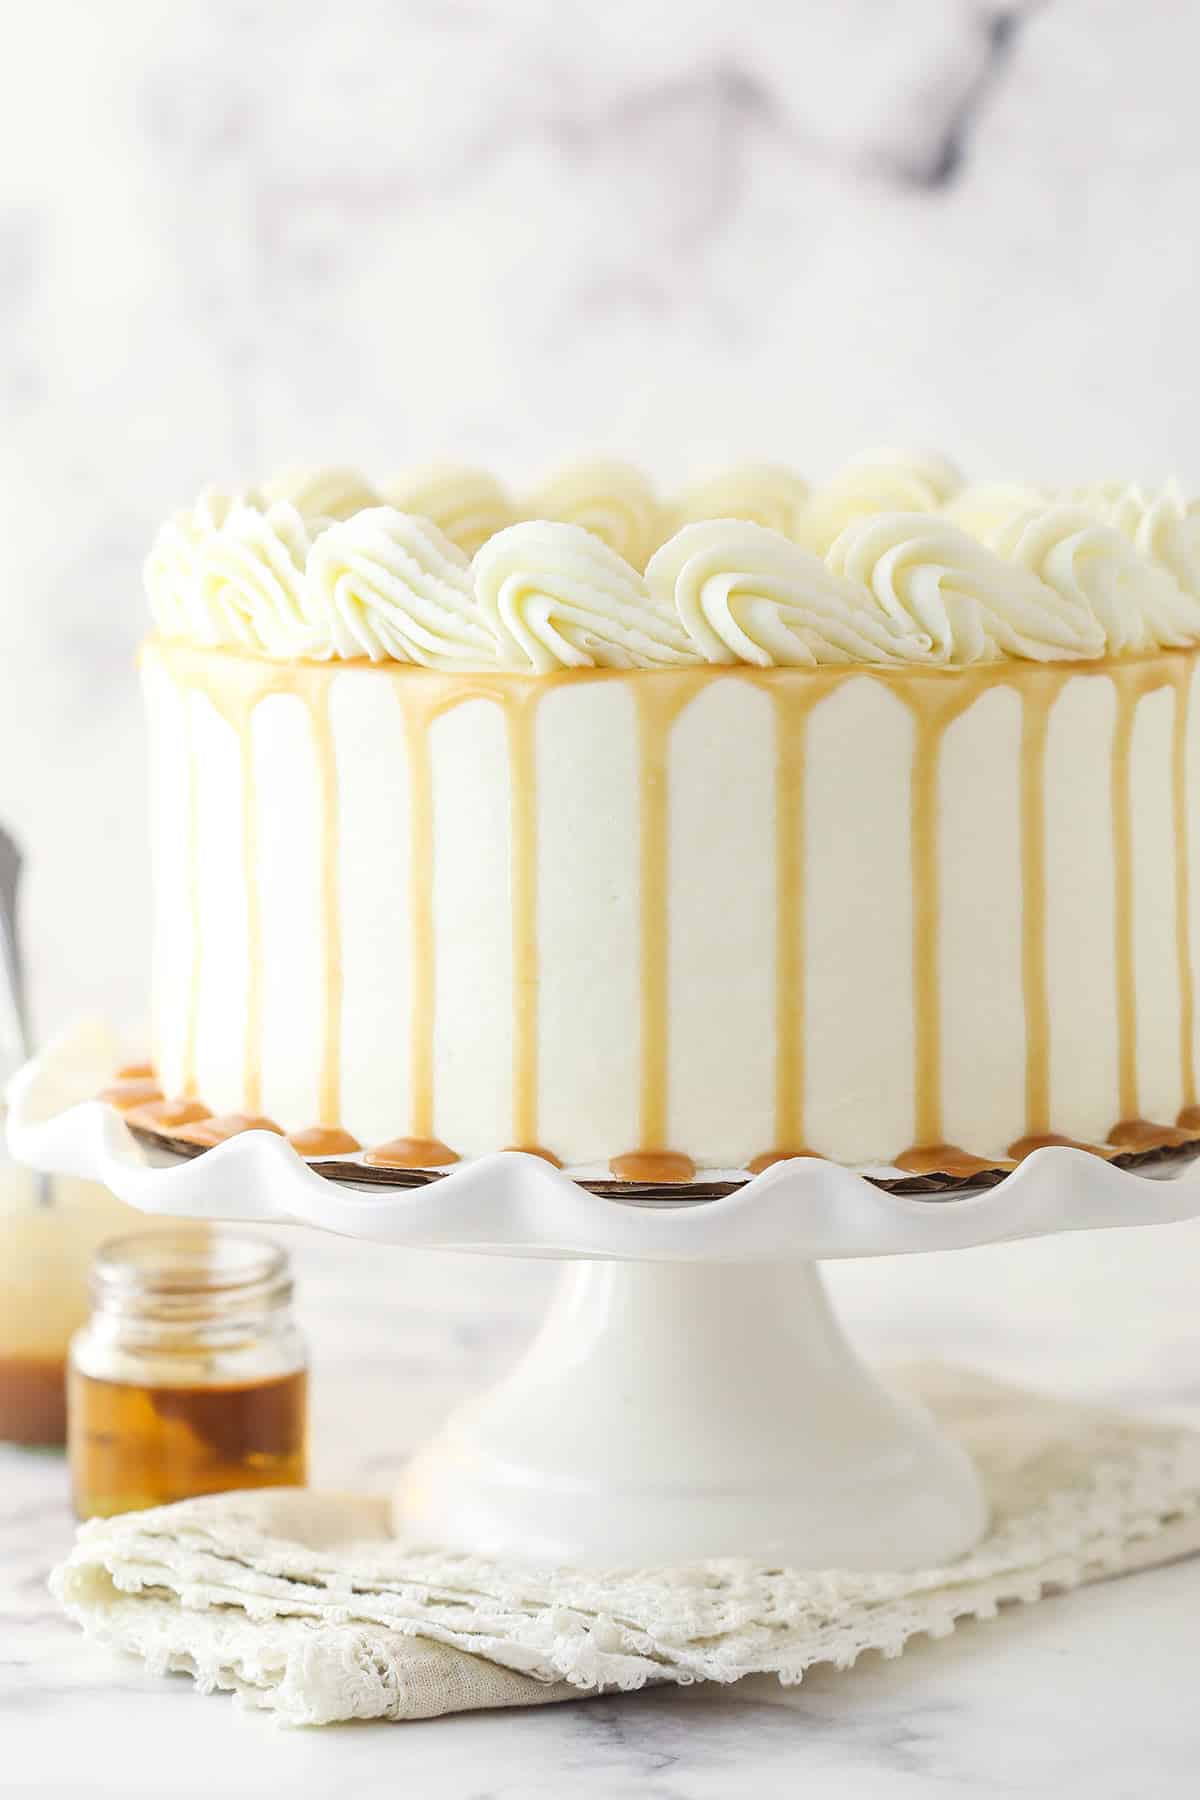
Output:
(512, 229)
(1088, 1695)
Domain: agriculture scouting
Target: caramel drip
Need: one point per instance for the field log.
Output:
(653, 1166)
(792, 711)
(252, 1063)
(1183, 886)
(165, 1115)
(236, 682)
(653, 877)
(926, 891)
(520, 721)
(124, 1094)
(1189, 1121)
(1049, 1140)
(932, 711)
(1037, 699)
(946, 1159)
(659, 701)
(768, 1158)
(424, 697)
(330, 1091)
(1146, 1134)
(1131, 681)
(188, 1072)
(410, 1153)
(211, 1131)
(323, 1140)
(1122, 831)
(546, 1156)
(420, 917)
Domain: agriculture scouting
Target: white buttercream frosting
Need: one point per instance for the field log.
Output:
(931, 577)
(249, 583)
(392, 587)
(332, 492)
(467, 505)
(1138, 604)
(892, 560)
(558, 597)
(878, 481)
(170, 569)
(1165, 527)
(984, 506)
(762, 493)
(746, 594)
(612, 500)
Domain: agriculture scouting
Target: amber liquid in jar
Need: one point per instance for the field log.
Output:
(145, 1446)
(190, 1377)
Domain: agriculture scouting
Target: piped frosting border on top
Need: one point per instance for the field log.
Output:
(893, 561)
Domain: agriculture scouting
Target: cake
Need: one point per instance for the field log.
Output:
(857, 820)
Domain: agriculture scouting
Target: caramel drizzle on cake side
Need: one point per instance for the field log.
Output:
(792, 715)
(934, 700)
(1182, 682)
(1122, 838)
(1133, 681)
(1037, 698)
(520, 724)
(252, 1057)
(330, 1094)
(188, 1081)
(933, 710)
(1038, 689)
(660, 700)
(420, 910)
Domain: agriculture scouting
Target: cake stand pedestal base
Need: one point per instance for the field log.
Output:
(669, 1411)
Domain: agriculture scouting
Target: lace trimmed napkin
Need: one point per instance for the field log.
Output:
(301, 1603)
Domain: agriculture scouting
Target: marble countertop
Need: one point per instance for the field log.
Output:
(1080, 1695)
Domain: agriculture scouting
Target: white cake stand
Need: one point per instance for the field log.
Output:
(690, 1393)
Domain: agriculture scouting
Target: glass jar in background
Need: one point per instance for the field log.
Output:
(190, 1376)
(50, 1228)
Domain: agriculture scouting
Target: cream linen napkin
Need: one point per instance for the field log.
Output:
(302, 1604)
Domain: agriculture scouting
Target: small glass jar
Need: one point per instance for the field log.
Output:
(190, 1377)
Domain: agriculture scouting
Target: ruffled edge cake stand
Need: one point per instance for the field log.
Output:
(690, 1392)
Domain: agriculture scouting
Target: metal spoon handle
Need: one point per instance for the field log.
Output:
(15, 1035)
(16, 1032)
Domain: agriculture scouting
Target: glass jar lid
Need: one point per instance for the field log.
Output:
(191, 1273)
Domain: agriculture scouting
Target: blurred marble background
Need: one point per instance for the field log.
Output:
(235, 233)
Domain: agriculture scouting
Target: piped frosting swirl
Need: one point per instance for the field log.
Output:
(891, 561)
(558, 597)
(1137, 603)
(249, 584)
(171, 567)
(1164, 527)
(467, 505)
(746, 594)
(973, 606)
(760, 493)
(334, 492)
(392, 587)
(611, 499)
(878, 481)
